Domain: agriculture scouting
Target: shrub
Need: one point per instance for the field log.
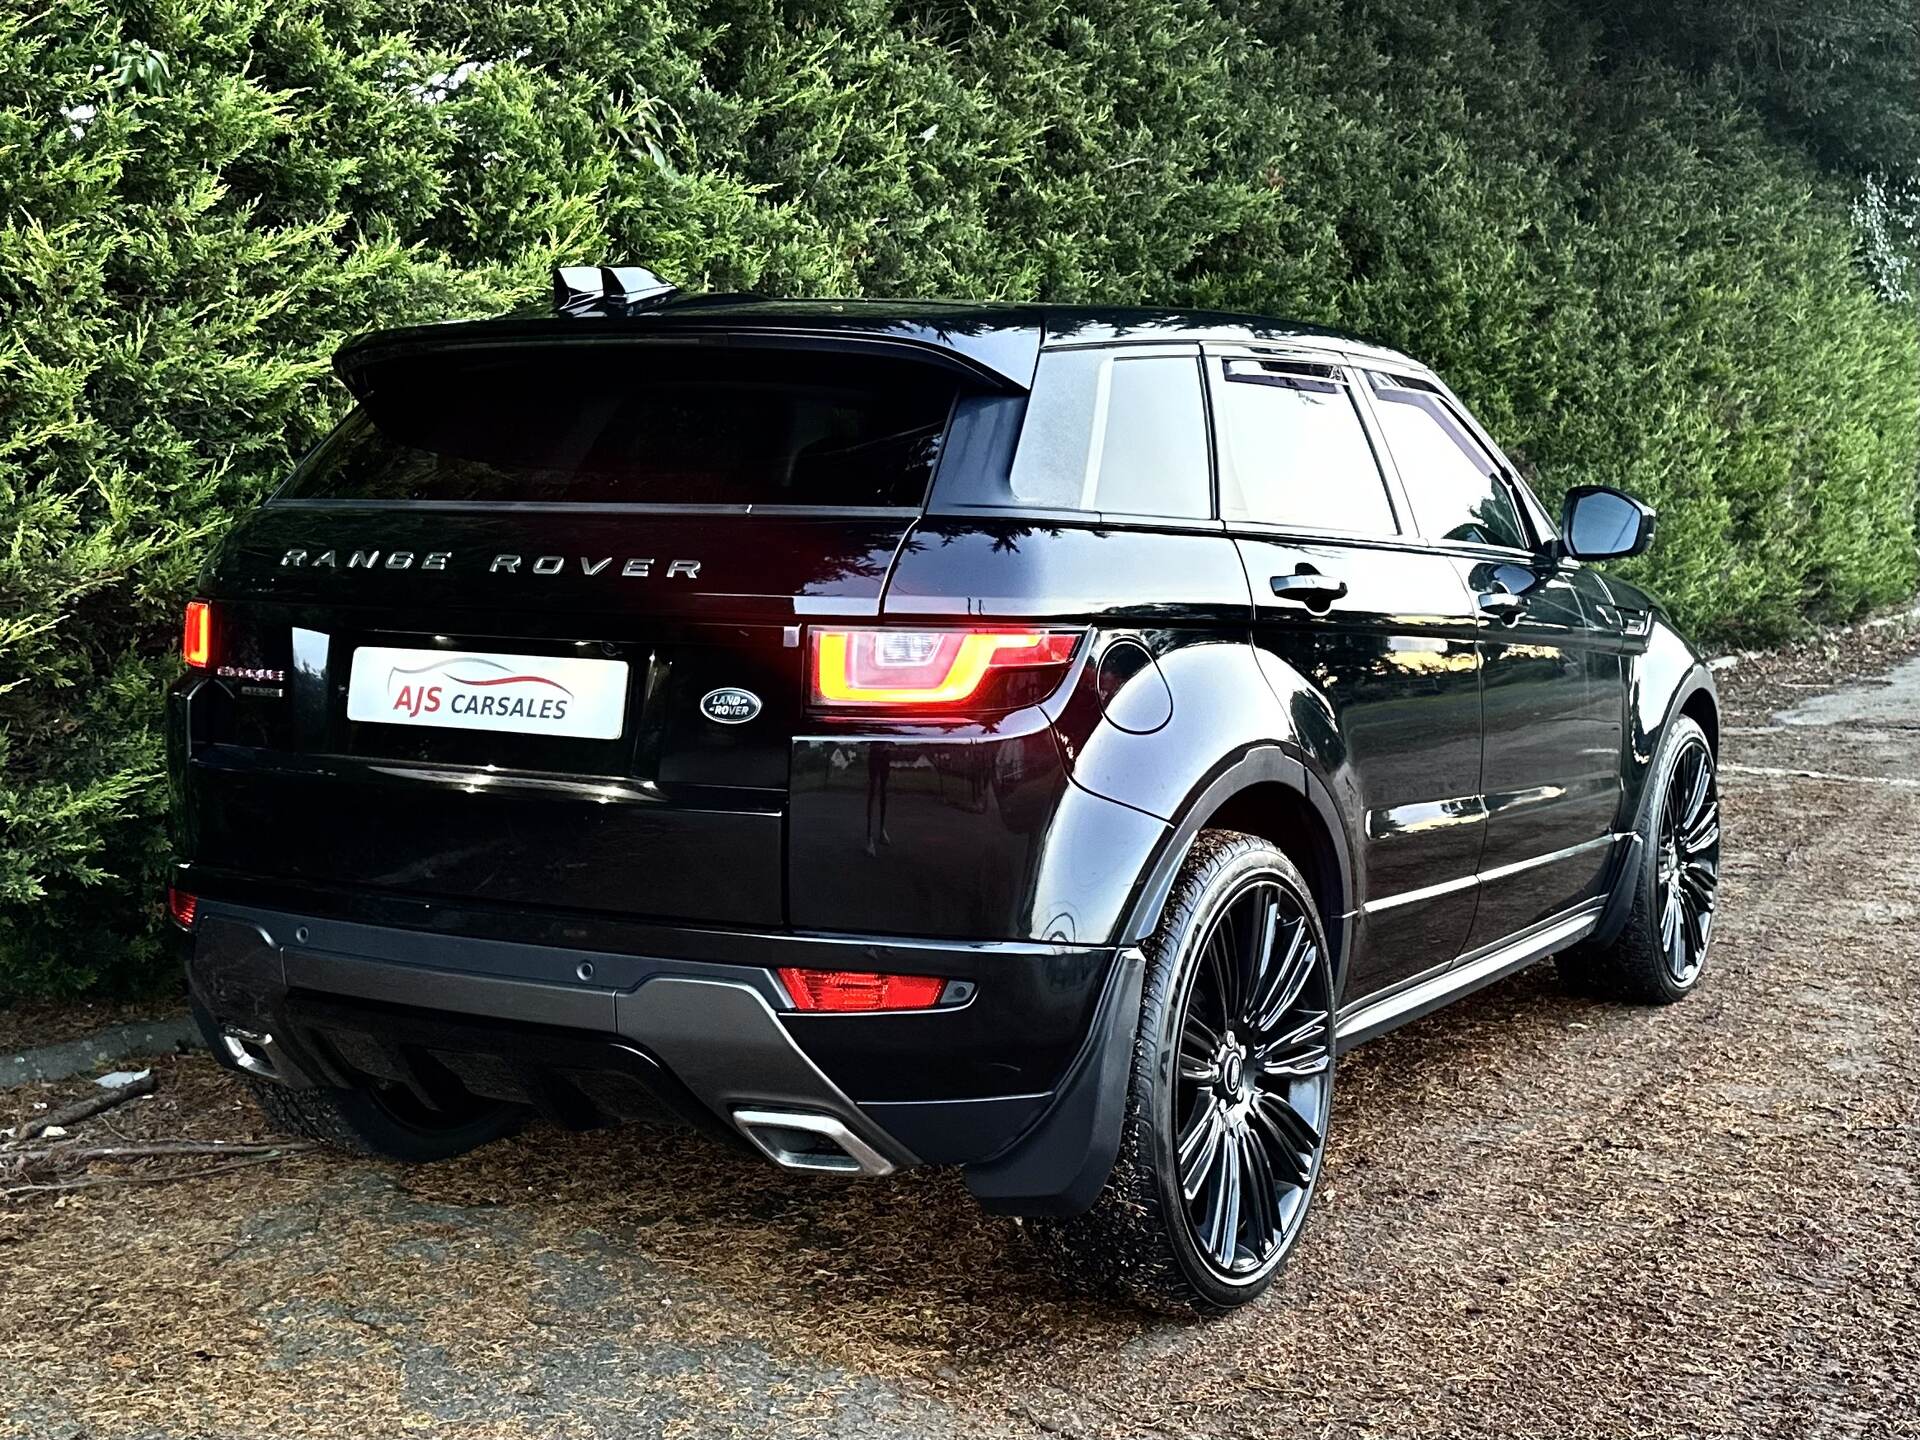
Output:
(1615, 250)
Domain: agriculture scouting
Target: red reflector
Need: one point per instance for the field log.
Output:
(196, 639)
(860, 990)
(182, 907)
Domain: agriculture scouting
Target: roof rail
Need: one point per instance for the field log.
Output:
(599, 289)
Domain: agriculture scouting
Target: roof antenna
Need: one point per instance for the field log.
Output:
(634, 286)
(577, 289)
(597, 289)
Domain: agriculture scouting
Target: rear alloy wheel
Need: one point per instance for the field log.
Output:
(1232, 1086)
(1661, 950)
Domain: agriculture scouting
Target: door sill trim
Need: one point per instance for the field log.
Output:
(1367, 1019)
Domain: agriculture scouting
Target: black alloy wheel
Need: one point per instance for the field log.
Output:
(1687, 879)
(1255, 1080)
(1671, 887)
(1229, 1093)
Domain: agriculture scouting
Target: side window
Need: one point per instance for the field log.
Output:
(1299, 452)
(1454, 486)
(1121, 434)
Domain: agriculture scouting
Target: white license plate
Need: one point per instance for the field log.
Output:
(479, 690)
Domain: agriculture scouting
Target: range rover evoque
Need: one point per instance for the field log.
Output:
(1016, 737)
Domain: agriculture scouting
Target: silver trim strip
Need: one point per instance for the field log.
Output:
(1375, 1016)
(1499, 872)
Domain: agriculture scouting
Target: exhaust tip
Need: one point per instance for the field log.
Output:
(800, 1140)
(251, 1052)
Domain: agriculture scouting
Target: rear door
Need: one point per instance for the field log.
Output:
(1380, 637)
(528, 631)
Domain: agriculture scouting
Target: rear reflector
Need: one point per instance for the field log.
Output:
(932, 668)
(182, 907)
(196, 638)
(846, 990)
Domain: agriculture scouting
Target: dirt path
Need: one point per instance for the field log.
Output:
(1542, 1217)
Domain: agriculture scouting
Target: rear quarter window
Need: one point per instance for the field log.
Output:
(1114, 434)
(663, 426)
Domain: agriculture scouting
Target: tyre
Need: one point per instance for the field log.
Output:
(1659, 954)
(390, 1124)
(1231, 1086)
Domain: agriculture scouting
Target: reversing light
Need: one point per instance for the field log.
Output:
(877, 667)
(182, 907)
(846, 990)
(196, 638)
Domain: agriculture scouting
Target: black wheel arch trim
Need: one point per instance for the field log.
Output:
(1259, 764)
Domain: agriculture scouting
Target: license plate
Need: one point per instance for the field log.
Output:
(480, 690)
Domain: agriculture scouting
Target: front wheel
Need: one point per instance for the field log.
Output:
(1659, 954)
(1230, 1092)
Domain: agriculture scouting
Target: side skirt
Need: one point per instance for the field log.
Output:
(1376, 1015)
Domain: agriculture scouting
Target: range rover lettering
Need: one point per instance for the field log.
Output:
(1029, 739)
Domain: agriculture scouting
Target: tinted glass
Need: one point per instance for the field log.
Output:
(1121, 434)
(1299, 453)
(1452, 483)
(669, 427)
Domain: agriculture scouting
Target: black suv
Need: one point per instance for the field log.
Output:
(1025, 738)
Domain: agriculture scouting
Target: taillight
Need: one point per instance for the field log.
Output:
(846, 990)
(938, 668)
(182, 907)
(196, 638)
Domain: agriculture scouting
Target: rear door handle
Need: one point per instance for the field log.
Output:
(1309, 588)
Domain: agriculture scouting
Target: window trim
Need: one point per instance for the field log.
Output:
(1428, 386)
(1344, 378)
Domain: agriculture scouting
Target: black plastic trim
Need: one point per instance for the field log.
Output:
(1060, 1166)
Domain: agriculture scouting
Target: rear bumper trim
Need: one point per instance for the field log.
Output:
(714, 1029)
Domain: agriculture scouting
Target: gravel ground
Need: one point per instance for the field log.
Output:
(1542, 1216)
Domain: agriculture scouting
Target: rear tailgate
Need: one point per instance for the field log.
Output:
(579, 706)
(675, 814)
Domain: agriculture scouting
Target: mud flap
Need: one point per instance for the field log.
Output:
(1060, 1166)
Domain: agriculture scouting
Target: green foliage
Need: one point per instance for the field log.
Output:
(1628, 248)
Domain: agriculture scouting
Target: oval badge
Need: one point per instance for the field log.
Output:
(730, 706)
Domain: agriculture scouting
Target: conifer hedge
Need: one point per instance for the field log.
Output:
(1635, 261)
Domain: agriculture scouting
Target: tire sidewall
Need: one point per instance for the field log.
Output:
(1183, 936)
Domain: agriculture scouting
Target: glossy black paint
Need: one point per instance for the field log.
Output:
(1450, 739)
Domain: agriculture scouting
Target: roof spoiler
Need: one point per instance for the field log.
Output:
(599, 289)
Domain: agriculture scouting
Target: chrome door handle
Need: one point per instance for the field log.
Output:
(1502, 605)
(1309, 588)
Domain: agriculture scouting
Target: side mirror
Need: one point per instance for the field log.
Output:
(1597, 523)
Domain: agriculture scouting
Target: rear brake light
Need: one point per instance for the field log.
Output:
(929, 667)
(196, 638)
(182, 907)
(860, 990)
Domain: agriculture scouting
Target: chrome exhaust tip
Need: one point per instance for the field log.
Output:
(252, 1051)
(799, 1140)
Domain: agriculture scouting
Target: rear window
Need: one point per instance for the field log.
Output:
(662, 427)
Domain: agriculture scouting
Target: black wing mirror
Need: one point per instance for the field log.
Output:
(1597, 523)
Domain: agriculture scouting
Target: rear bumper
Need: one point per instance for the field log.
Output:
(589, 1035)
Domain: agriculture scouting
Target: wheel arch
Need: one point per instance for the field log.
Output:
(1267, 791)
(1701, 704)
